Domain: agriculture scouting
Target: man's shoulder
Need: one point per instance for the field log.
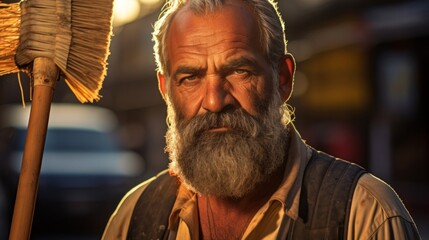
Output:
(378, 212)
(130, 199)
(371, 190)
(119, 222)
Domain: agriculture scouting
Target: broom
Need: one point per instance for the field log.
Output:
(46, 38)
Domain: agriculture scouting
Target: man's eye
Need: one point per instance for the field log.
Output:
(189, 78)
(241, 71)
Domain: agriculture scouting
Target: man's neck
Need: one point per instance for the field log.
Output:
(229, 217)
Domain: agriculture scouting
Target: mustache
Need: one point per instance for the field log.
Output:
(236, 121)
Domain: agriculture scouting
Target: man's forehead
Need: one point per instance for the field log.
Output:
(231, 12)
(192, 33)
(224, 32)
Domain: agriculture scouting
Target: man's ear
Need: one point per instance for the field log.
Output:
(286, 76)
(162, 84)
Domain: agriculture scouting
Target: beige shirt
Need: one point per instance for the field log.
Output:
(376, 211)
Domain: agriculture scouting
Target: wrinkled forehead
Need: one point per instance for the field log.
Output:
(234, 18)
(233, 22)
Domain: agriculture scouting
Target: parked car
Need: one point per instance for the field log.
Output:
(84, 173)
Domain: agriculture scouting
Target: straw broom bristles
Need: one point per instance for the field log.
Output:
(10, 18)
(76, 36)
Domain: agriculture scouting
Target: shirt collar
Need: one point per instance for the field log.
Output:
(289, 191)
(186, 203)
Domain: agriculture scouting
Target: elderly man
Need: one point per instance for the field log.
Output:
(239, 169)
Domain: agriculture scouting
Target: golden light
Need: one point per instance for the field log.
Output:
(125, 11)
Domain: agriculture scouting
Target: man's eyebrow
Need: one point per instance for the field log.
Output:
(240, 62)
(184, 69)
(230, 65)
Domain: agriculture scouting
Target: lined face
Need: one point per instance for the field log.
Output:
(226, 134)
(216, 62)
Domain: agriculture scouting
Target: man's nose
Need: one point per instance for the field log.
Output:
(217, 97)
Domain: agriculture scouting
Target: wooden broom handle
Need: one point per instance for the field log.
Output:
(45, 74)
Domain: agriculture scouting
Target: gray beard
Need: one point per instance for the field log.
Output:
(227, 164)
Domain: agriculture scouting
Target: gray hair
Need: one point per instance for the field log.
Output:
(270, 23)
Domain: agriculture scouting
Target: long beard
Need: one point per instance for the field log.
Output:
(230, 163)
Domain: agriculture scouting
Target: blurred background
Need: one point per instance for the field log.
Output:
(360, 86)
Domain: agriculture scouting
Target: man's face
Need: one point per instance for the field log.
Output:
(216, 62)
(226, 134)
